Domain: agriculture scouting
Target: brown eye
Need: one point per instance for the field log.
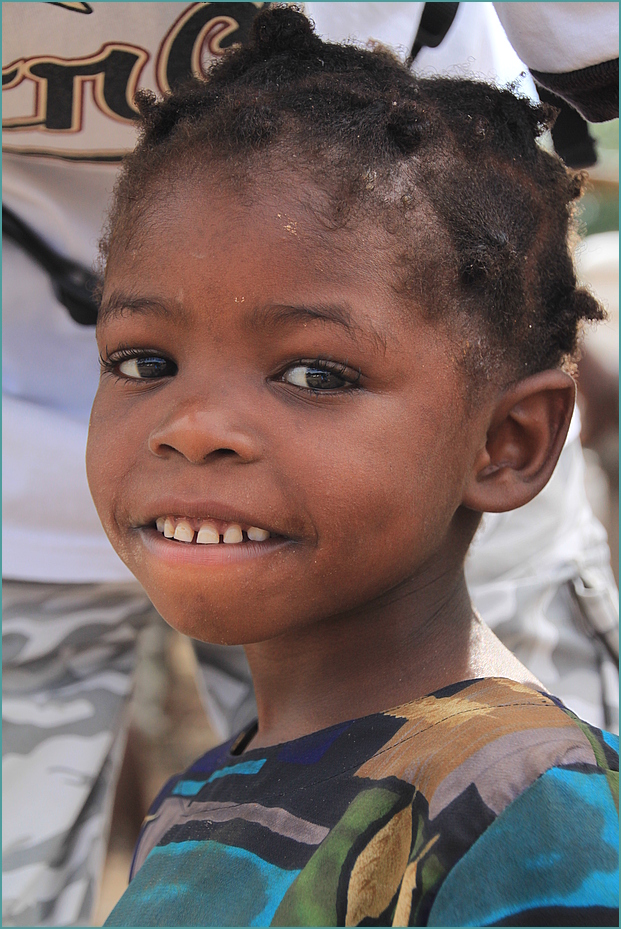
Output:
(313, 378)
(146, 367)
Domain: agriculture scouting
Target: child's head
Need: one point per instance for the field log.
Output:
(336, 306)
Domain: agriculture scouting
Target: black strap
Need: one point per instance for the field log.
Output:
(75, 286)
(435, 22)
(593, 91)
(570, 133)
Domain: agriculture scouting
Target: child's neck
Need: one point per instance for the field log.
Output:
(409, 643)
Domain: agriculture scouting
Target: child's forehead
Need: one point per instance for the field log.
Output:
(283, 215)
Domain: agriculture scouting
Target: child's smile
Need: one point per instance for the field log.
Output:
(264, 448)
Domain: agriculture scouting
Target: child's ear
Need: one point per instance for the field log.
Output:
(525, 437)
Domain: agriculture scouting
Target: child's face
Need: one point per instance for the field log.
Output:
(294, 393)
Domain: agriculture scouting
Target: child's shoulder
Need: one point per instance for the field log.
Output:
(484, 802)
(494, 733)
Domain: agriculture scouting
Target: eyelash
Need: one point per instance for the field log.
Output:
(110, 363)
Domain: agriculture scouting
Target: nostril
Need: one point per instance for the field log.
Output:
(221, 453)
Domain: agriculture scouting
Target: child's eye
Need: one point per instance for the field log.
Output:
(139, 367)
(318, 377)
(142, 368)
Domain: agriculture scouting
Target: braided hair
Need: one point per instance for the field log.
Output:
(478, 212)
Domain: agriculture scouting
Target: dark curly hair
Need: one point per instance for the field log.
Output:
(478, 211)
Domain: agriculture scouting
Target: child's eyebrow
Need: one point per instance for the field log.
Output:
(275, 316)
(121, 305)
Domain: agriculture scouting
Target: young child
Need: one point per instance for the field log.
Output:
(337, 315)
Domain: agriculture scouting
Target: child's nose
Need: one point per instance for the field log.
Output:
(199, 434)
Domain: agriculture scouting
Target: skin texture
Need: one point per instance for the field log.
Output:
(370, 489)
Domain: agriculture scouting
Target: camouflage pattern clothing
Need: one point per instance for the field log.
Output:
(68, 654)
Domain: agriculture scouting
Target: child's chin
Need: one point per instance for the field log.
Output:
(214, 618)
(233, 632)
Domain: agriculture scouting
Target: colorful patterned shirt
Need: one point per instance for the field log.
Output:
(486, 803)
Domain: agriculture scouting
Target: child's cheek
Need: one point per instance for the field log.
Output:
(107, 449)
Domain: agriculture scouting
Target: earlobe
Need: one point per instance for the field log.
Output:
(526, 434)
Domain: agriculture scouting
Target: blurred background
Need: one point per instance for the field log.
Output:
(168, 727)
(597, 261)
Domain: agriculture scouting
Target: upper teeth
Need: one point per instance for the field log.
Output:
(208, 532)
(257, 535)
(183, 531)
(207, 535)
